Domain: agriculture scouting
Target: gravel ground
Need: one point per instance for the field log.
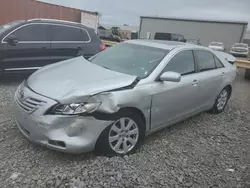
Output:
(204, 151)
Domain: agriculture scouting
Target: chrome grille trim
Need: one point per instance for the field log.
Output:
(28, 104)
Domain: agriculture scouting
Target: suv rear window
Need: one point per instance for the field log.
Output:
(68, 33)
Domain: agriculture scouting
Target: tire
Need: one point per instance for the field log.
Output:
(112, 139)
(247, 74)
(1, 74)
(221, 101)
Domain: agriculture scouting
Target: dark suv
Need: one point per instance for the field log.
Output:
(169, 36)
(29, 45)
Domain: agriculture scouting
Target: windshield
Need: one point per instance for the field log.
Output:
(240, 45)
(3, 28)
(7, 26)
(130, 59)
(216, 44)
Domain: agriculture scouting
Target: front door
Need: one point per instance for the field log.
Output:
(31, 50)
(67, 42)
(173, 101)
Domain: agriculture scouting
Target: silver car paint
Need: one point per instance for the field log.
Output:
(160, 103)
(73, 79)
(225, 56)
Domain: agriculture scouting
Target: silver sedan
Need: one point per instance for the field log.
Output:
(111, 102)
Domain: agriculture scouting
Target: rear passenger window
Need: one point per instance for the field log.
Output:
(67, 33)
(33, 32)
(182, 63)
(218, 63)
(205, 60)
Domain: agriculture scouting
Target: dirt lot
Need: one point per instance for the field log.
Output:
(204, 151)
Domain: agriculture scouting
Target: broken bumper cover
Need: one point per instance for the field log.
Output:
(70, 134)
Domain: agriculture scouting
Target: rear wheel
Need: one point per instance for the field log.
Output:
(221, 101)
(123, 136)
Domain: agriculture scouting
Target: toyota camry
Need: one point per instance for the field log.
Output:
(110, 102)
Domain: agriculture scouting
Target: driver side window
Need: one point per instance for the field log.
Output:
(182, 63)
(31, 33)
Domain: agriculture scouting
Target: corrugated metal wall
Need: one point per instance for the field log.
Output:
(11, 10)
(207, 32)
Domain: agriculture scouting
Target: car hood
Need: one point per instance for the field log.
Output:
(76, 78)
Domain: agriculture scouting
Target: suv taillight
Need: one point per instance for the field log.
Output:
(102, 47)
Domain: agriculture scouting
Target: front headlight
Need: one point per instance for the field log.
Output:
(74, 108)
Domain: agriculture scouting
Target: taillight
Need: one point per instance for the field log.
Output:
(102, 47)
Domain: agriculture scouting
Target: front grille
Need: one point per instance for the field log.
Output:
(28, 104)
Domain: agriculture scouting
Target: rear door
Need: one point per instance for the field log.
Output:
(67, 42)
(211, 75)
(31, 50)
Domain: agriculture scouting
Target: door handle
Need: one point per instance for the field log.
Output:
(195, 82)
(223, 74)
(79, 48)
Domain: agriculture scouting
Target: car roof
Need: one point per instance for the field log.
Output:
(240, 43)
(168, 45)
(216, 43)
(55, 21)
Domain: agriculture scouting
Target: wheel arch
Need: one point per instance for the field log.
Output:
(113, 116)
(99, 149)
(137, 111)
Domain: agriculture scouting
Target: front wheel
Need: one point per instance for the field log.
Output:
(123, 136)
(221, 101)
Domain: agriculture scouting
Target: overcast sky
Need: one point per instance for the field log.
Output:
(129, 11)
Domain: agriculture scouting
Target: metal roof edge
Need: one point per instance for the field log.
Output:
(196, 20)
(57, 5)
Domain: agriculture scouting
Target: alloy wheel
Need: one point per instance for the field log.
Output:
(123, 135)
(222, 100)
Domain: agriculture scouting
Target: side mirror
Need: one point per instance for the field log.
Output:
(12, 40)
(170, 77)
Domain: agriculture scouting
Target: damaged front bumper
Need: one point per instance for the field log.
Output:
(70, 134)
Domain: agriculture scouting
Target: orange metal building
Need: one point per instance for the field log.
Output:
(11, 10)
